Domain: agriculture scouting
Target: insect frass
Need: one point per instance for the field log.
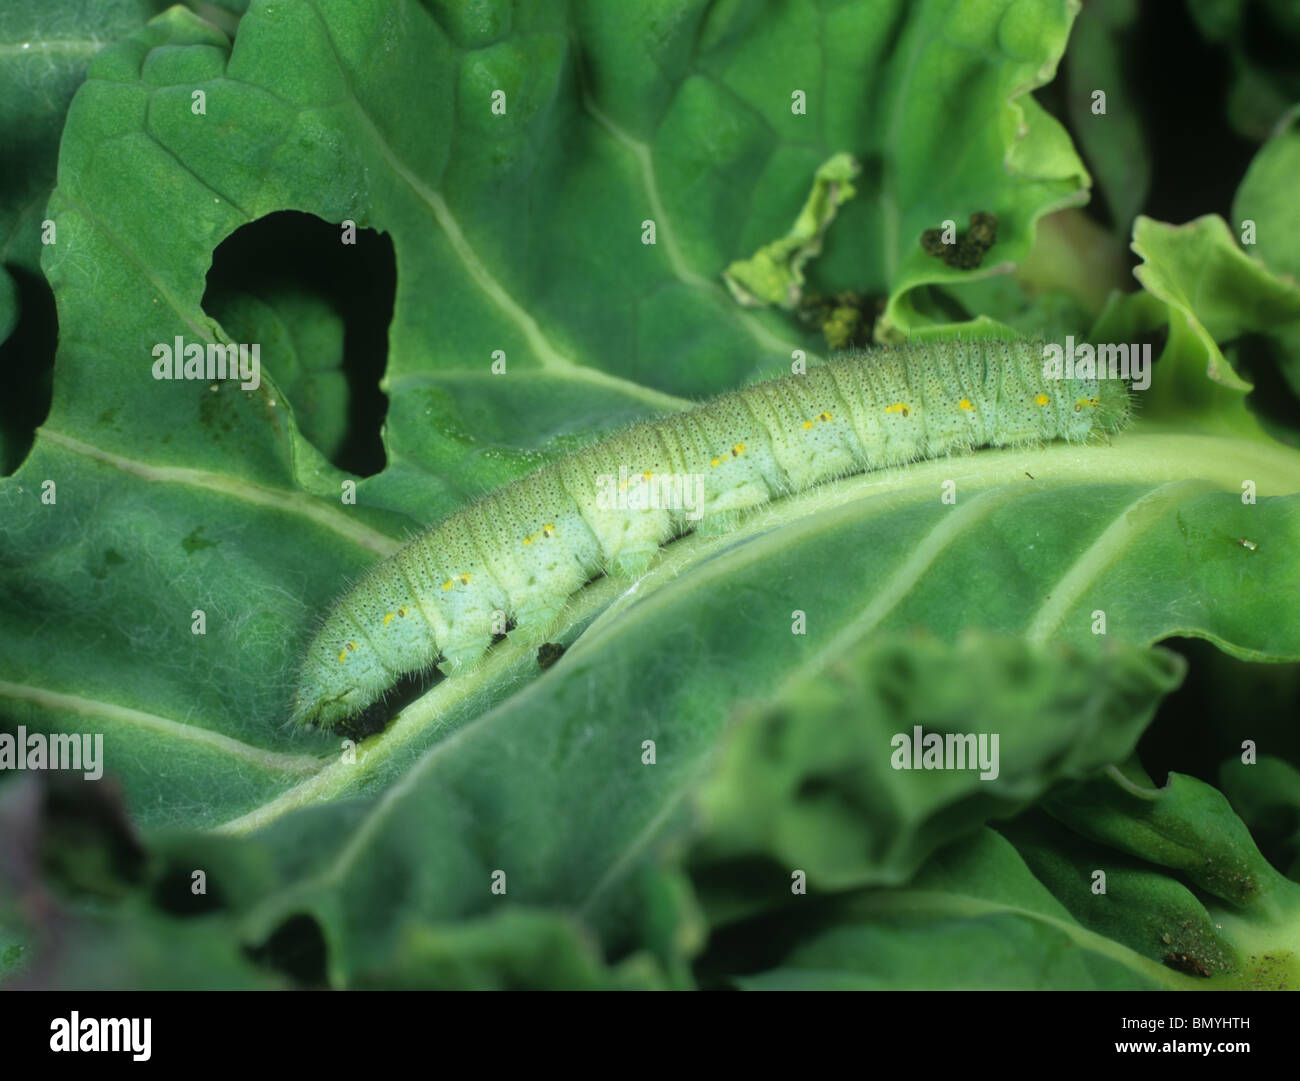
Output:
(519, 553)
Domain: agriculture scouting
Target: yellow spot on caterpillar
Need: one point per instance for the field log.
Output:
(898, 407)
(1078, 405)
(1042, 399)
(738, 450)
(352, 645)
(343, 655)
(389, 619)
(807, 424)
(647, 474)
(528, 540)
(965, 404)
(823, 415)
(464, 579)
(716, 461)
(447, 585)
(549, 530)
(402, 611)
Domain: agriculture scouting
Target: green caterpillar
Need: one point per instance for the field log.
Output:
(517, 555)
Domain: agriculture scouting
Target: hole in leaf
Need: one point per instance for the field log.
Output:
(319, 309)
(296, 947)
(26, 365)
(1199, 726)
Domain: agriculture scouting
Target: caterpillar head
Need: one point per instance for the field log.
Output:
(1101, 406)
(1114, 405)
(339, 678)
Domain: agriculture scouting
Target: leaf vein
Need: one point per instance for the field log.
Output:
(287, 501)
(57, 700)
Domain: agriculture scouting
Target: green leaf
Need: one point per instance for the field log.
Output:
(774, 275)
(302, 336)
(974, 918)
(403, 892)
(957, 135)
(510, 950)
(813, 781)
(146, 504)
(1262, 199)
(45, 46)
(1190, 828)
(1135, 904)
(1027, 907)
(1266, 794)
(1214, 293)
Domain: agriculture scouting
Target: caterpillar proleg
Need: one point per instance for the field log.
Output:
(522, 551)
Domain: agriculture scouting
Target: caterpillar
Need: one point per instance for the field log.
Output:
(512, 559)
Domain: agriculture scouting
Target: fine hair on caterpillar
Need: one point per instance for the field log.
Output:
(521, 552)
